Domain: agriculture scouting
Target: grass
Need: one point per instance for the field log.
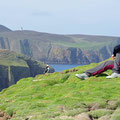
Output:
(100, 113)
(58, 94)
(11, 59)
(84, 45)
(87, 43)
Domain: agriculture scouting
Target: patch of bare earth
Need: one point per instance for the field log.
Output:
(4, 116)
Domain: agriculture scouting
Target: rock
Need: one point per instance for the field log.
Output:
(111, 105)
(100, 113)
(106, 117)
(61, 108)
(82, 116)
(112, 102)
(65, 117)
(116, 114)
(4, 116)
(95, 107)
(1, 114)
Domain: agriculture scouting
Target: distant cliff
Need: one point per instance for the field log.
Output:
(15, 66)
(59, 49)
(4, 29)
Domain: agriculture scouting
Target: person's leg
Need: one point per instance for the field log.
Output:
(100, 68)
(96, 70)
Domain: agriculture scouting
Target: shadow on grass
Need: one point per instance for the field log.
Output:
(102, 75)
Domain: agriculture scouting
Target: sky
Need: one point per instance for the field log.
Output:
(92, 17)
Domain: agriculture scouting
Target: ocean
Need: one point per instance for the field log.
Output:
(61, 67)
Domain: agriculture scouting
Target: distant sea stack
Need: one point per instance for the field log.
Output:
(58, 49)
(14, 66)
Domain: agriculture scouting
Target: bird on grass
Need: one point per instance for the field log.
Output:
(47, 69)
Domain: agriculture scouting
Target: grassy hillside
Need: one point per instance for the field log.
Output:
(86, 42)
(61, 95)
(9, 58)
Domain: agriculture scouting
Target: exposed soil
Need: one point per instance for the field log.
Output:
(4, 116)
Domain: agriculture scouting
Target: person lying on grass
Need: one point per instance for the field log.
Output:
(114, 65)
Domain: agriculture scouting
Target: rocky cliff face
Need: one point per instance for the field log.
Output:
(49, 53)
(59, 49)
(65, 56)
(9, 75)
(4, 81)
(71, 55)
(15, 66)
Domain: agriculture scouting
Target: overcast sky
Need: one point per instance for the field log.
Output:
(96, 17)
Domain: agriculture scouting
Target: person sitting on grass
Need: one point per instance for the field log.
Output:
(114, 65)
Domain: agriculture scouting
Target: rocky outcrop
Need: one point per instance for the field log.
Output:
(15, 66)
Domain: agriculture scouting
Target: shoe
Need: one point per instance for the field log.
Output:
(83, 76)
(114, 75)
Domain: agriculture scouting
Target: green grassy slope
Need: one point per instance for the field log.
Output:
(89, 42)
(51, 96)
(10, 58)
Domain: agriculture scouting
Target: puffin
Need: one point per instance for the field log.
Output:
(47, 69)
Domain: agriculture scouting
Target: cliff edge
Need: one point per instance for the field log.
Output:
(14, 66)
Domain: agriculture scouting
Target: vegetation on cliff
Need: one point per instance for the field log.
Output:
(60, 95)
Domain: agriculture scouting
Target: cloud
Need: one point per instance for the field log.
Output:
(41, 13)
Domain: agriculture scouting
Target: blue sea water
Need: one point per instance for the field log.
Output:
(61, 67)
